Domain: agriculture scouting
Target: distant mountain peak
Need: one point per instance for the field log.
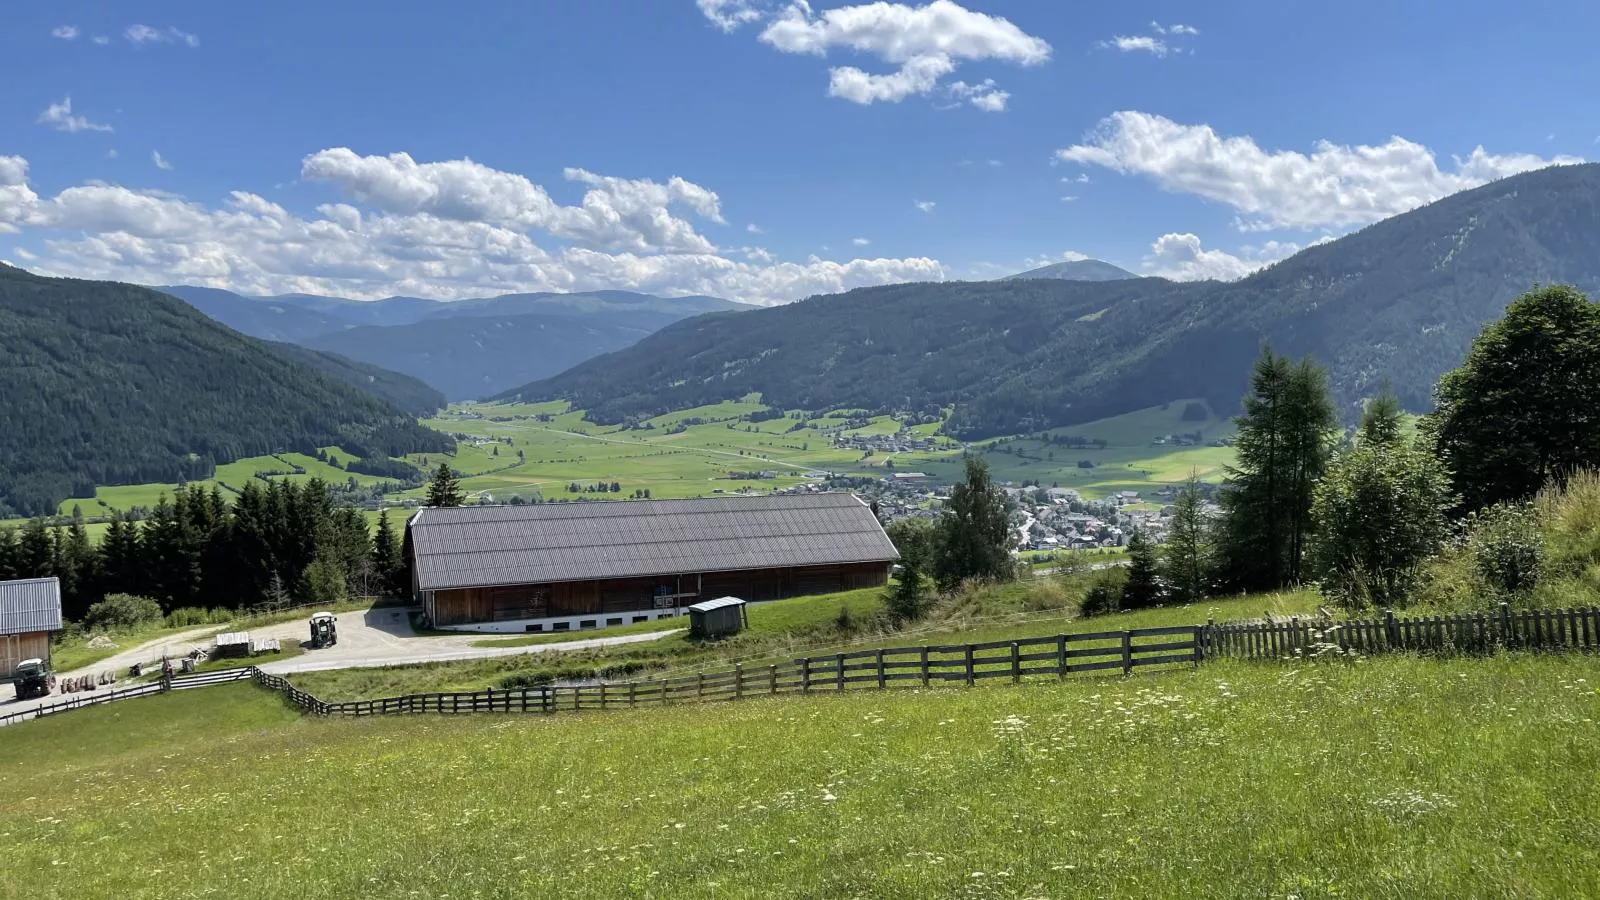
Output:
(1076, 270)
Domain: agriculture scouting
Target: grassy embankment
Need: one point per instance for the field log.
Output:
(1446, 777)
(786, 629)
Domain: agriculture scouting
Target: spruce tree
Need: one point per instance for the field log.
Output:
(8, 554)
(386, 556)
(36, 551)
(1143, 587)
(974, 532)
(1186, 553)
(445, 489)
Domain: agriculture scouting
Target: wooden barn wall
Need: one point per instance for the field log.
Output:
(15, 648)
(491, 604)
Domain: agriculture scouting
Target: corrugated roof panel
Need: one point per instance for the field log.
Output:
(483, 545)
(32, 604)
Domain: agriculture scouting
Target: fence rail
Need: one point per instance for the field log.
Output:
(1533, 629)
(1054, 656)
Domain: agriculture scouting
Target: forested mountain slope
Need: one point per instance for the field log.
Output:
(410, 395)
(108, 383)
(1397, 301)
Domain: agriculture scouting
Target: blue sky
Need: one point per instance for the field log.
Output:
(757, 149)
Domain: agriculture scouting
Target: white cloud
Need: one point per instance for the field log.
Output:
(1068, 198)
(1181, 257)
(1137, 44)
(1335, 186)
(925, 205)
(412, 238)
(995, 164)
(59, 116)
(65, 32)
(144, 34)
(924, 44)
(984, 95)
(1064, 256)
(112, 153)
(753, 228)
(860, 241)
(729, 14)
(101, 39)
(161, 163)
(616, 213)
(1183, 29)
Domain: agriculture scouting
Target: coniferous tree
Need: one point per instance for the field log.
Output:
(445, 489)
(1186, 555)
(76, 563)
(1283, 442)
(974, 531)
(1143, 587)
(8, 554)
(36, 551)
(386, 556)
(121, 563)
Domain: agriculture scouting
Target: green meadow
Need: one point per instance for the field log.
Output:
(1391, 777)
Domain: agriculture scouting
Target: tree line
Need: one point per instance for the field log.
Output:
(279, 544)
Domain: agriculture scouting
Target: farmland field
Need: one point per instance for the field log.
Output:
(1396, 776)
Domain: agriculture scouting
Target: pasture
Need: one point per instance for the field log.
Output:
(1395, 776)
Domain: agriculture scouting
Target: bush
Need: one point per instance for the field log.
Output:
(1045, 594)
(1507, 549)
(190, 616)
(1105, 594)
(121, 612)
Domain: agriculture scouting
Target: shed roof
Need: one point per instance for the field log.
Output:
(32, 604)
(706, 606)
(479, 546)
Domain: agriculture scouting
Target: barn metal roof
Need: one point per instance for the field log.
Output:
(32, 604)
(480, 546)
(706, 606)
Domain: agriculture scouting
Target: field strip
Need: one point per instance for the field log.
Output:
(594, 437)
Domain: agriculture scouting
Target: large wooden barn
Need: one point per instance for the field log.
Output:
(30, 610)
(571, 566)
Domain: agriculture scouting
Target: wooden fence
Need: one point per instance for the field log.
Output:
(1054, 656)
(1534, 629)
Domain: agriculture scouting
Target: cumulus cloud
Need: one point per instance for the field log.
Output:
(1334, 186)
(926, 205)
(65, 32)
(729, 14)
(436, 233)
(753, 228)
(59, 116)
(860, 241)
(160, 161)
(1181, 257)
(922, 43)
(145, 34)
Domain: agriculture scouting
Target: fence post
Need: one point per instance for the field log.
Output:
(839, 683)
(1016, 664)
(882, 681)
(700, 687)
(633, 693)
(1391, 631)
(772, 677)
(1061, 656)
(738, 680)
(971, 677)
(1199, 636)
(805, 675)
(924, 665)
(1127, 653)
(1505, 623)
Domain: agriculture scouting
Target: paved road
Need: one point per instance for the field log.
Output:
(367, 639)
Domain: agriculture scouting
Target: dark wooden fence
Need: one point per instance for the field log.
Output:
(1055, 656)
(1534, 629)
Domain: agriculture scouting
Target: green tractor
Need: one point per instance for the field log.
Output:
(33, 679)
(324, 630)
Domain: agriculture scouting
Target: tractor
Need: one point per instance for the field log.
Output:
(324, 630)
(33, 679)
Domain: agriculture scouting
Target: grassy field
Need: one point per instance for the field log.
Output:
(1397, 777)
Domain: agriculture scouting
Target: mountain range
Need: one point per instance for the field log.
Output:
(1397, 302)
(1076, 270)
(108, 383)
(466, 349)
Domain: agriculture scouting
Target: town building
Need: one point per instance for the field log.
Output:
(574, 566)
(30, 611)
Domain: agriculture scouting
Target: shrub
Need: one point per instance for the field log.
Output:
(190, 616)
(1105, 594)
(1507, 549)
(518, 680)
(121, 612)
(1045, 594)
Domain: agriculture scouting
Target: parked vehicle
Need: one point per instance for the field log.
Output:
(33, 679)
(324, 630)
